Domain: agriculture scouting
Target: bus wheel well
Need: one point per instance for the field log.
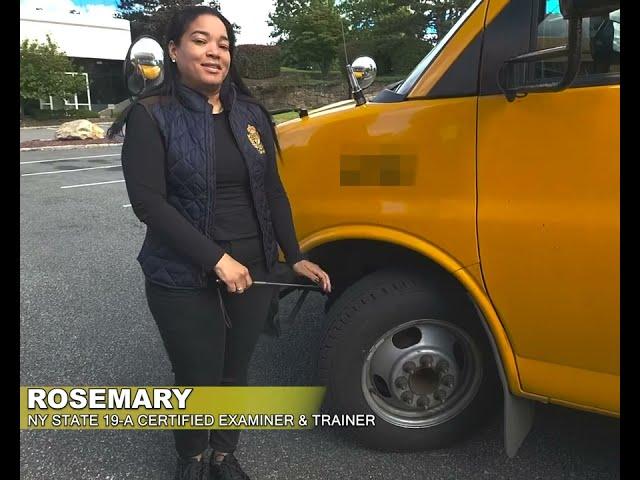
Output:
(346, 261)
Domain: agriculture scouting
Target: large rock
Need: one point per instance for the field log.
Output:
(79, 130)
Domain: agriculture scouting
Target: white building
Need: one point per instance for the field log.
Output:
(97, 44)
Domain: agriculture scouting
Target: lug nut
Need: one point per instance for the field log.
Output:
(409, 367)
(422, 402)
(447, 380)
(426, 360)
(440, 395)
(406, 397)
(443, 366)
(401, 382)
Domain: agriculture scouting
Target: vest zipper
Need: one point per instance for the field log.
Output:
(210, 173)
(211, 194)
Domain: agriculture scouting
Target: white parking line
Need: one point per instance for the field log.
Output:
(91, 184)
(127, 205)
(70, 158)
(67, 171)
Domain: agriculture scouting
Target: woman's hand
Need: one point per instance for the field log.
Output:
(314, 272)
(235, 275)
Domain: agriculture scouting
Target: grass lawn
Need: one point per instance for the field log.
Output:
(283, 117)
(299, 70)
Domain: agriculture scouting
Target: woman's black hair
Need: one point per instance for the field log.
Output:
(175, 29)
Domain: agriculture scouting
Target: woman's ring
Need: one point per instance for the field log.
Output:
(240, 290)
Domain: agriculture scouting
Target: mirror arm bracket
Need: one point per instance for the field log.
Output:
(356, 91)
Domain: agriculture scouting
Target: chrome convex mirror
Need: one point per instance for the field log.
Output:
(361, 74)
(364, 69)
(143, 66)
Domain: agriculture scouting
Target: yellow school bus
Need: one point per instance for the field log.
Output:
(469, 219)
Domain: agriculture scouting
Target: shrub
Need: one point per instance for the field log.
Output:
(258, 61)
(63, 114)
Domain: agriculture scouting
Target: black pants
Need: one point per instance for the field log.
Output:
(203, 351)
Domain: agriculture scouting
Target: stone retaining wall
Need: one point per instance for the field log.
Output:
(311, 96)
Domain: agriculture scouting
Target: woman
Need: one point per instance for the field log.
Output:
(199, 161)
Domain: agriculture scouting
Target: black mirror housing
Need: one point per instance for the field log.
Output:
(574, 9)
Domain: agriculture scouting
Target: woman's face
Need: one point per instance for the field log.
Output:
(203, 55)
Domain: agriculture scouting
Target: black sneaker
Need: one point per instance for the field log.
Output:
(189, 469)
(227, 469)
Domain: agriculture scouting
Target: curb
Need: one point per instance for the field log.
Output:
(68, 147)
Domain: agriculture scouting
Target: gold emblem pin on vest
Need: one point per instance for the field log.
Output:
(254, 138)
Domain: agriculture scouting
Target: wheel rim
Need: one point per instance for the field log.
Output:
(421, 373)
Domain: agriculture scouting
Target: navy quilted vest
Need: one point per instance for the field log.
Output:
(186, 125)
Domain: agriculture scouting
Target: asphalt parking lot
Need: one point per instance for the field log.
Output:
(84, 321)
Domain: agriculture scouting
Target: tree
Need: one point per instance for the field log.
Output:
(151, 17)
(284, 14)
(397, 33)
(440, 15)
(387, 30)
(373, 18)
(413, 18)
(310, 31)
(42, 72)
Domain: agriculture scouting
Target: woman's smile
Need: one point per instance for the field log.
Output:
(213, 68)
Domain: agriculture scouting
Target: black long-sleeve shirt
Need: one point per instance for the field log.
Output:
(235, 216)
(144, 165)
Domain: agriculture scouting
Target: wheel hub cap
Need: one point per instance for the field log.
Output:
(421, 373)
